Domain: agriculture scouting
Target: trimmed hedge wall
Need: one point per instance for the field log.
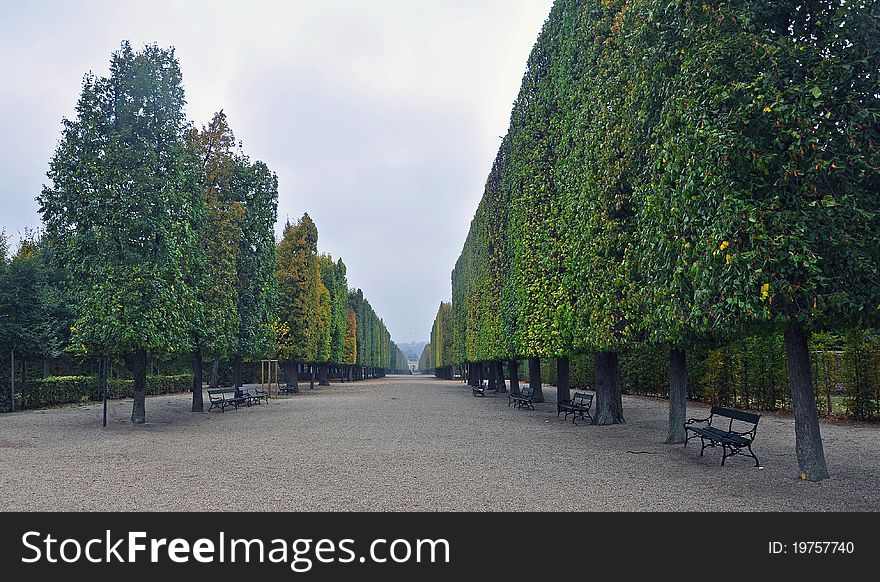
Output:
(750, 372)
(58, 390)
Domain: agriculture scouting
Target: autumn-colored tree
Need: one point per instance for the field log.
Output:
(217, 222)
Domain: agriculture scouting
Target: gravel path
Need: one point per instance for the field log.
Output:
(409, 443)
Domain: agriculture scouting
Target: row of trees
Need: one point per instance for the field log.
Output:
(321, 322)
(159, 238)
(674, 173)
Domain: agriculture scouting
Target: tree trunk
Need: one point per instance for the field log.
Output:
(499, 375)
(198, 404)
(513, 373)
(293, 376)
(563, 384)
(312, 378)
(351, 373)
(535, 381)
(236, 371)
(104, 371)
(138, 409)
(808, 439)
(47, 367)
(678, 382)
(609, 404)
(322, 375)
(492, 383)
(215, 373)
(12, 381)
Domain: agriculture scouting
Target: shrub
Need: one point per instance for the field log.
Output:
(58, 390)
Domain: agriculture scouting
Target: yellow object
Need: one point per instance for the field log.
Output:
(724, 245)
(765, 290)
(803, 476)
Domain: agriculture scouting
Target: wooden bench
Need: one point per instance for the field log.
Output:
(223, 397)
(578, 406)
(254, 395)
(733, 440)
(479, 390)
(524, 398)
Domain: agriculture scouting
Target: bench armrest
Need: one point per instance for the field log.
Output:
(696, 420)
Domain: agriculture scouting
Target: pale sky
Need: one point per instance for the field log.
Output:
(381, 118)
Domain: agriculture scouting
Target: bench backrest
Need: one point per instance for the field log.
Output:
(526, 391)
(733, 414)
(582, 399)
(222, 393)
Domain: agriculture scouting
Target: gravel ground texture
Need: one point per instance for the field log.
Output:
(411, 443)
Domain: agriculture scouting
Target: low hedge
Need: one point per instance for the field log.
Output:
(58, 390)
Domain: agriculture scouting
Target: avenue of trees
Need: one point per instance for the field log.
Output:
(159, 242)
(322, 324)
(677, 174)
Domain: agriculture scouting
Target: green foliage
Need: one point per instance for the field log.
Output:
(117, 212)
(59, 390)
(333, 276)
(442, 345)
(298, 276)
(256, 285)
(373, 342)
(680, 174)
(349, 350)
(426, 360)
(34, 319)
(217, 222)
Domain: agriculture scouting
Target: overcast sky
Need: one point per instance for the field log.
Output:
(381, 118)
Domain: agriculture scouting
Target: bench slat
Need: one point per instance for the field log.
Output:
(736, 414)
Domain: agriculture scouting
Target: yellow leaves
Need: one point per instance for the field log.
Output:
(723, 246)
(727, 258)
(765, 291)
(768, 109)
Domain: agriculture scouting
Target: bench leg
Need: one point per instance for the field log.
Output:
(724, 453)
(752, 453)
(703, 447)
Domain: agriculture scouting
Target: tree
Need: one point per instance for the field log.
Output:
(32, 315)
(349, 351)
(256, 285)
(118, 211)
(298, 276)
(217, 219)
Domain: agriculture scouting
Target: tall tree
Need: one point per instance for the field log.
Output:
(256, 189)
(118, 210)
(298, 276)
(217, 220)
(349, 350)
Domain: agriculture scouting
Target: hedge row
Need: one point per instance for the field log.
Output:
(750, 372)
(58, 390)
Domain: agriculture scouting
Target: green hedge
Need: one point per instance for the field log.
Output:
(750, 372)
(58, 390)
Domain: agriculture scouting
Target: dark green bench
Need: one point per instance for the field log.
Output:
(578, 406)
(728, 439)
(479, 390)
(524, 398)
(223, 397)
(254, 395)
